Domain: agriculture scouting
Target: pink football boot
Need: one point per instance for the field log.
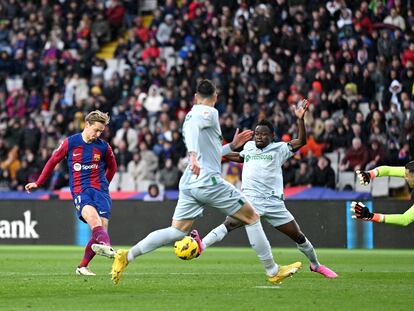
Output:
(325, 271)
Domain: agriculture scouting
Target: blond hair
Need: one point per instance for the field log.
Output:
(97, 116)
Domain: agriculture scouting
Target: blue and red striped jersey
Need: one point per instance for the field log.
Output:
(91, 165)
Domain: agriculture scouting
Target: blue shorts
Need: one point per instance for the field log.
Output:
(101, 201)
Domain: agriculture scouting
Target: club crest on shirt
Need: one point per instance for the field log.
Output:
(97, 157)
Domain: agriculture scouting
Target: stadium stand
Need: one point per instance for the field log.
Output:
(353, 60)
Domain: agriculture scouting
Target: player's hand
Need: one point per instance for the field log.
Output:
(301, 108)
(194, 166)
(360, 211)
(31, 186)
(364, 177)
(239, 139)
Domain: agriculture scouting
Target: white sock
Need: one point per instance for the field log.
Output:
(261, 245)
(307, 249)
(155, 240)
(215, 235)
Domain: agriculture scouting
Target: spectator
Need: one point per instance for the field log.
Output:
(154, 194)
(356, 157)
(122, 155)
(375, 155)
(128, 135)
(169, 176)
(395, 19)
(323, 175)
(303, 176)
(147, 165)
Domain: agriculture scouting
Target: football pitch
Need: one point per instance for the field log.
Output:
(42, 278)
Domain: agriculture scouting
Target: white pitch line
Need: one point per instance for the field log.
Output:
(137, 273)
(267, 287)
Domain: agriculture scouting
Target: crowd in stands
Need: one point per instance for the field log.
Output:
(353, 60)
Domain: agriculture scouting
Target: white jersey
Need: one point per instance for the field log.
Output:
(202, 135)
(262, 169)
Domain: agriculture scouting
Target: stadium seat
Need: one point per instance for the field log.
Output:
(127, 182)
(114, 184)
(380, 187)
(397, 182)
(362, 188)
(346, 179)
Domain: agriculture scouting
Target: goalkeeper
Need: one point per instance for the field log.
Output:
(361, 212)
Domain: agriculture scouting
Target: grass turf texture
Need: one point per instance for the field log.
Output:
(42, 278)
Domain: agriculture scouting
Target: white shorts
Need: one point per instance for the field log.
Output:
(272, 210)
(223, 196)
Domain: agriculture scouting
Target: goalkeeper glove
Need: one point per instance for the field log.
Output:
(361, 212)
(365, 177)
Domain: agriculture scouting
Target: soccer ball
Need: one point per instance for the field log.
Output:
(186, 249)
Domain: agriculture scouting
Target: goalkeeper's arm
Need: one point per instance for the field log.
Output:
(361, 212)
(365, 177)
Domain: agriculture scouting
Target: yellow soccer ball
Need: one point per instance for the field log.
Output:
(186, 249)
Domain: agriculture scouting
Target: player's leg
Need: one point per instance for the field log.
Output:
(218, 233)
(292, 230)
(152, 241)
(257, 238)
(158, 238)
(261, 245)
(186, 211)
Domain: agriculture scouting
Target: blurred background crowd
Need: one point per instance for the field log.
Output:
(353, 60)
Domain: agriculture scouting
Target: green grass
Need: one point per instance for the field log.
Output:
(42, 278)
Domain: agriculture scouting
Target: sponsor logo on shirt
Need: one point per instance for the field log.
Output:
(260, 157)
(77, 167)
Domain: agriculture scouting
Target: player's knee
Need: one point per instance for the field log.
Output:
(231, 224)
(252, 218)
(300, 238)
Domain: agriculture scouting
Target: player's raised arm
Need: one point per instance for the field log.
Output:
(239, 140)
(300, 111)
(111, 165)
(56, 157)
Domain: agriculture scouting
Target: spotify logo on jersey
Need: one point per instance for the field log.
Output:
(77, 167)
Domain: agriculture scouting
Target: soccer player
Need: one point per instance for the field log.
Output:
(361, 212)
(202, 185)
(91, 165)
(262, 184)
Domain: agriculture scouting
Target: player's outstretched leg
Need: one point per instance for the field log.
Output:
(151, 242)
